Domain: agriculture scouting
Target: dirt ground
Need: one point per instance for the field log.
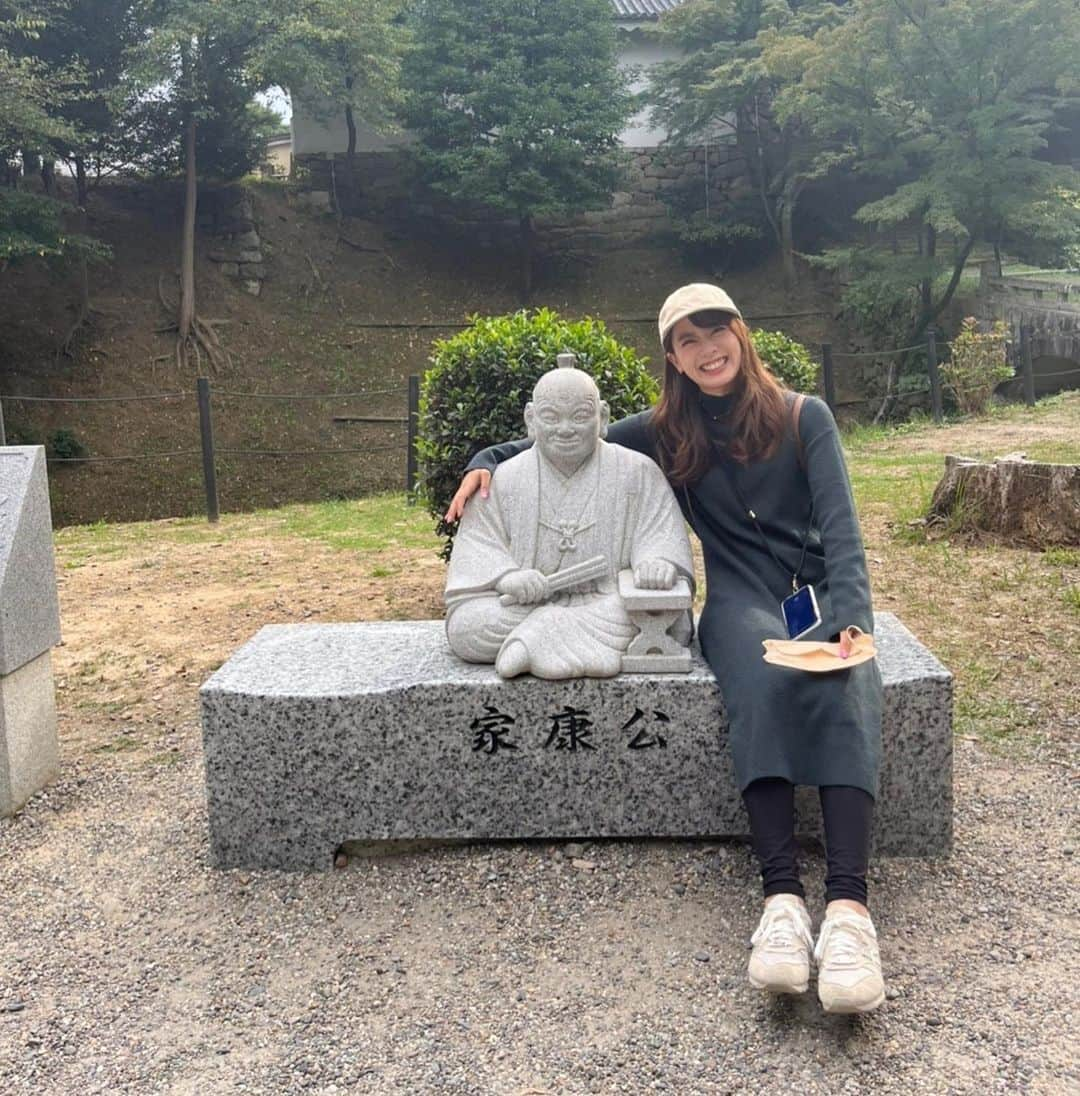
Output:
(129, 964)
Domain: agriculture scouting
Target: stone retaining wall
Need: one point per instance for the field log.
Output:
(228, 215)
(639, 210)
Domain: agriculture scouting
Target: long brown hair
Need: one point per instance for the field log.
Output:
(758, 416)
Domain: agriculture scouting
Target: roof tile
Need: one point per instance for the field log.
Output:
(643, 9)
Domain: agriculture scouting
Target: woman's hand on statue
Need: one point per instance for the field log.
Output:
(655, 574)
(477, 478)
(525, 587)
(848, 636)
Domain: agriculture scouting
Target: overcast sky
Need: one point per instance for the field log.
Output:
(277, 99)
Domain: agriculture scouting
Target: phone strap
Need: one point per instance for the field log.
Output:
(795, 408)
(748, 510)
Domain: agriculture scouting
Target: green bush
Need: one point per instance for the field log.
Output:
(478, 382)
(787, 359)
(978, 363)
(64, 444)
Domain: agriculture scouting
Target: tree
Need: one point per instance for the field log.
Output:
(194, 54)
(949, 103)
(92, 36)
(352, 64)
(31, 95)
(517, 106)
(724, 88)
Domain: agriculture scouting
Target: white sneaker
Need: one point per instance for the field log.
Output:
(780, 961)
(849, 966)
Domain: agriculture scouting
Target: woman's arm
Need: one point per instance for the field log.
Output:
(834, 509)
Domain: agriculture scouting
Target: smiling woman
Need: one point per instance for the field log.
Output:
(761, 478)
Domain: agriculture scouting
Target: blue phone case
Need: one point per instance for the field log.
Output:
(801, 613)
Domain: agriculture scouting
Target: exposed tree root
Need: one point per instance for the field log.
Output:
(64, 348)
(202, 340)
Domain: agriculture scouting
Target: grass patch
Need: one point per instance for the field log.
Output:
(371, 524)
(900, 486)
(1071, 596)
(1053, 452)
(996, 721)
(365, 525)
(1062, 557)
(122, 743)
(860, 436)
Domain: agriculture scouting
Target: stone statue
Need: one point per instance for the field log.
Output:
(533, 584)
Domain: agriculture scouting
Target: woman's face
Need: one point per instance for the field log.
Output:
(710, 357)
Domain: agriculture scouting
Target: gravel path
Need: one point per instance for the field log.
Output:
(127, 964)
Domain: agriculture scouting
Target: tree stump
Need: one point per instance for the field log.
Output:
(1011, 499)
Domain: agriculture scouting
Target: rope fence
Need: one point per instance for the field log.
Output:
(1024, 369)
(211, 454)
(121, 457)
(98, 399)
(878, 353)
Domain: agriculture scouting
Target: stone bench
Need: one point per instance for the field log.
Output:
(320, 733)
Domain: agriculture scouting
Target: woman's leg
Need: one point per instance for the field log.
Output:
(849, 965)
(848, 814)
(780, 960)
(770, 803)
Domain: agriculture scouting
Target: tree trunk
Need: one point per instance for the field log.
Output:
(1011, 499)
(789, 198)
(350, 148)
(927, 286)
(186, 311)
(525, 225)
(31, 162)
(48, 176)
(82, 190)
(931, 313)
(754, 159)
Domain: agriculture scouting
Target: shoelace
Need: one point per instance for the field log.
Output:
(846, 940)
(780, 928)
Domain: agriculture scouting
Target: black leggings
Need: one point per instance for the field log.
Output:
(848, 814)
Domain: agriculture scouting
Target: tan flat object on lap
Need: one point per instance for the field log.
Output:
(818, 658)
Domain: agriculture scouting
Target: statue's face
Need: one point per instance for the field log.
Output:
(567, 419)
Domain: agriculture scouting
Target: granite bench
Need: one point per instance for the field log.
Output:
(316, 734)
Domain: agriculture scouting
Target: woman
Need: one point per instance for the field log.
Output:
(761, 478)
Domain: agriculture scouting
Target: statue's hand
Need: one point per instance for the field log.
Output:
(655, 574)
(525, 587)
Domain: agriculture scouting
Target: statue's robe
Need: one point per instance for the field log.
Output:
(617, 505)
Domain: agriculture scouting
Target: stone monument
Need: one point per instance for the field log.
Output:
(29, 628)
(318, 733)
(578, 563)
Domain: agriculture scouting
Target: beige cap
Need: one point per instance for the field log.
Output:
(696, 297)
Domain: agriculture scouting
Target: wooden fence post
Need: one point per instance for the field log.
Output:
(935, 375)
(410, 456)
(827, 378)
(1026, 366)
(3, 436)
(206, 429)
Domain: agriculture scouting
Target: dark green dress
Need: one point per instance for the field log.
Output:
(815, 729)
